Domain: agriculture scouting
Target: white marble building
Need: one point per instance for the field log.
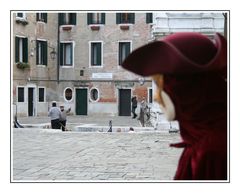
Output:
(165, 23)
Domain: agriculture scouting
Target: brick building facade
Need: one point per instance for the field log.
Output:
(84, 71)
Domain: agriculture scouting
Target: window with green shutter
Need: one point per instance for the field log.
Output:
(150, 95)
(95, 18)
(67, 18)
(124, 51)
(125, 18)
(41, 17)
(66, 54)
(41, 52)
(41, 94)
(17, 40)
(25, 50)
(20, 14)
(96, 54)
(149, 17)
(21, 49)
(20, 93)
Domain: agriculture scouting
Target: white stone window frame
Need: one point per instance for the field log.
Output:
(90, 53)
(131, 47)
(99, 23)
(151, 24)
(21, 50)
(148, 99)
(24, 92)
(41, 18)
(64, 96)
(44, 96)
(40, 65)
(23, 18)
(90, 95)
(127, 23)
(73, 54)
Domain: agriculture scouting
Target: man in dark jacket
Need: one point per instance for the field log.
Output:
(134, 106)
(55, 114)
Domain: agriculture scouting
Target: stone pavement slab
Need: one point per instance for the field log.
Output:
(51, 155)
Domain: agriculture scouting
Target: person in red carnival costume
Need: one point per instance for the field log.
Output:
(192, 70)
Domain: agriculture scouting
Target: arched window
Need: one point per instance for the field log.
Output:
(68, 94)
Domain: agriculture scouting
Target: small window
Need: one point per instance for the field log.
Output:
(81, 72)
(21, 49)
(149, 17)
(94, 95)
(124, 51)
(66, 54)
(41, 93)
(20, 14)
(67, 18)
(96, 54)
(20, 94)
(21, 18)
(96, 18)
(150, 95)
(125, 18)
(41, 53)
(42, 17)
(68, 94)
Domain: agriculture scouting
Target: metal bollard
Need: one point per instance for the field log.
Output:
(110, 126)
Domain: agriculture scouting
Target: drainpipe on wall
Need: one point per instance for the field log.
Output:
(58, 55)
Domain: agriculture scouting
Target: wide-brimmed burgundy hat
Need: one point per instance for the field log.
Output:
(179, 53)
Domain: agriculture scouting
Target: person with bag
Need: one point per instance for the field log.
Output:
(55, 114)
(134, 106)
(63, 117)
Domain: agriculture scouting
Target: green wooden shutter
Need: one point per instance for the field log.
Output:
(71, 52)
(61, 19)
(92, 53)
(25, 50)
(37, 56)
(118, 18)
(127, 49)
(132, 18)
(148, 17)
(45, 17)
(37, 16)
(99, 54)
(73, 18)
(19, 14)
(89, 18)
(61, 53)
(120, 53)
(45, 53)
(103, 18)
(16, 49)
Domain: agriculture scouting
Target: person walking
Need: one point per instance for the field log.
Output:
(143, 110)
(134, 106)
(55, 114)
(63, 117)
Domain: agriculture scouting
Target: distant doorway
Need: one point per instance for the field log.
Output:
(124, 102)
(81, 101)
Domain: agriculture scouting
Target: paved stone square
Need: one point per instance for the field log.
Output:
(52, 155)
